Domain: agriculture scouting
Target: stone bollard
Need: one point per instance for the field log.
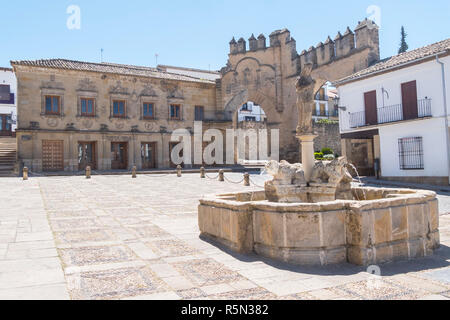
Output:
(179, 171)
(88, 172)
(133, 172)
(202, 173)
(221, 175)
(25, 173)
(246, 179)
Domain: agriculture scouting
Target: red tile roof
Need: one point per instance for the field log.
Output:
(399, 61)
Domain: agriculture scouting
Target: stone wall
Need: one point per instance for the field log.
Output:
(328, 137)
(390, 225)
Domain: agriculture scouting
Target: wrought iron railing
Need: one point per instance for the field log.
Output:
(325, 113)
(390, 114)
(424, 108)
(357, 119)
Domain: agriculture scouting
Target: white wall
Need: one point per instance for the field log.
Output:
(434, 148)
(429, 84)
(8, 77)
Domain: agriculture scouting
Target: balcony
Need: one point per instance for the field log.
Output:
(390, 114)
(325, 113)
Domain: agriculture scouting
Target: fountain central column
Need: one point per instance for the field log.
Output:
(305, 132)
(308, 159)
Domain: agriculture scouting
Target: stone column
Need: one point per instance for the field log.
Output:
(308, 160)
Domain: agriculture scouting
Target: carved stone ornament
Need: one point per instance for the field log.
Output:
(148, 91)
(87, 123)
(118, 89)
(86, 85)
(52, 122)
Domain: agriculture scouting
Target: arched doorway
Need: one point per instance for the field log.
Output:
(253, 137)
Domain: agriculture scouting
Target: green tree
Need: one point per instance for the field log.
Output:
(403, 45)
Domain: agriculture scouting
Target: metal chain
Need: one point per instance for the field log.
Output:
(228, 180)
(35, 173)
(158, 176)
(215, 178)
(251, 180)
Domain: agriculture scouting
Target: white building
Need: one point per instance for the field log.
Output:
(325, 101)
(251, 112)
(8, 94)
(394, 116)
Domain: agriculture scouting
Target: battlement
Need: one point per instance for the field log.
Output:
(365, 35)
(276, 38)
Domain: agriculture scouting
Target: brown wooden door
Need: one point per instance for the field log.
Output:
(5, 127)
(119, 155)
(148, 155)
(87, 155)
(370, 102)
(52, 155)
(409, 100)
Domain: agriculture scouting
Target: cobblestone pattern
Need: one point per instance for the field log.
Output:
(113, 237)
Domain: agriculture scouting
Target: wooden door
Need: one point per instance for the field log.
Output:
(5, 126)
(370, 102)
(148, 155)
(119, 155)
(87, 155)
(52, 155)
(409, 100)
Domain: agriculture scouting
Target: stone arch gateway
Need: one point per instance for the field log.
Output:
(267, 73)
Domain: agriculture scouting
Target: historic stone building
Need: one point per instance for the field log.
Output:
(72, 114)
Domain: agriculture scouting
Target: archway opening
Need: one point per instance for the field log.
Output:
(326, 103)
(325, 115)
(253, 141)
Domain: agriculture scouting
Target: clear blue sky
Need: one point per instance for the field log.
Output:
(196, 33)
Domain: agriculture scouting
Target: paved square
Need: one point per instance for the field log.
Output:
(113, 237)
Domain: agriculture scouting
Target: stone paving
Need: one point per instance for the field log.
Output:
(113, 237)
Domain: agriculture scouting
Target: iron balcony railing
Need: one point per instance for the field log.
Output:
(329, 113)
(390, 114)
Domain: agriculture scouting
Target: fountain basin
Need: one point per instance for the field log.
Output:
(392, 224)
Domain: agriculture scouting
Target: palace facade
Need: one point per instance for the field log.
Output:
(72, 114)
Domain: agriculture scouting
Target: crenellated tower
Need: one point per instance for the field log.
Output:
(265, 73)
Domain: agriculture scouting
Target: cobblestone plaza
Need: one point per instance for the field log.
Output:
(113, 237)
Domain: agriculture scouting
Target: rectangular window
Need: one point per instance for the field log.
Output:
(5, 92)
(175, 112)
(52, 105)
(199, 113)
(119, 108)
(87, 107)
(148, 111)
(411, 153)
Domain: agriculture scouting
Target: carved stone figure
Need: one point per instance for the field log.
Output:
(285, 173)
(305, 100)
(330, 181)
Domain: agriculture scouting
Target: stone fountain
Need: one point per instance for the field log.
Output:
(310, 214)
